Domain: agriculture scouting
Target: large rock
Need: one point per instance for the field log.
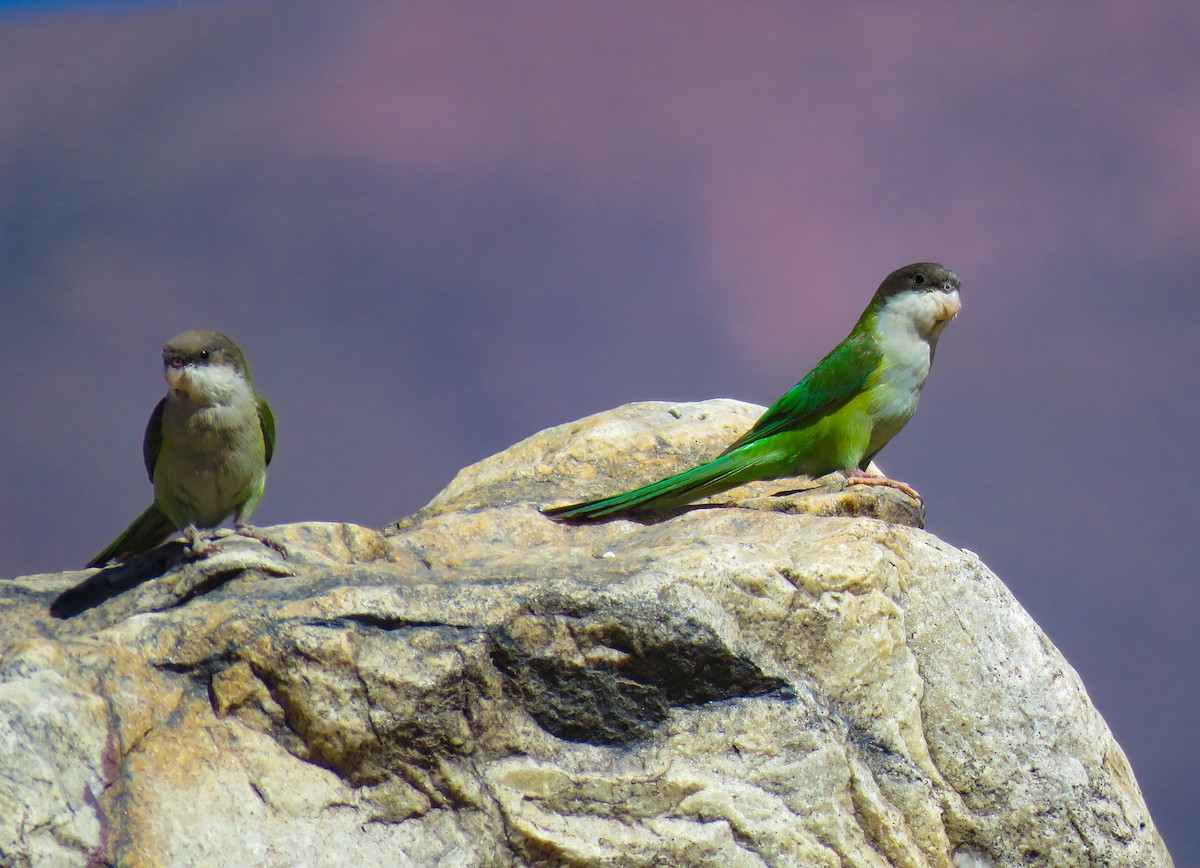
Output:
(779, 680)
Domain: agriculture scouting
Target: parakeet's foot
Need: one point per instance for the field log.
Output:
(198, 545)
(861, 478)
(252, 532)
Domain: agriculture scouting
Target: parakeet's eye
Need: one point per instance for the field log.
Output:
(918, 279)
(204, 354)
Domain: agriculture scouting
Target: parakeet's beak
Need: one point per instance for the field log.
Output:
(949, 307)
(178, 379)
(949, 304)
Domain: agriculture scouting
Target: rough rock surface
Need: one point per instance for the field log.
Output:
(781, 680)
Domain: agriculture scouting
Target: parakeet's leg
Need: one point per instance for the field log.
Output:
(861, 477)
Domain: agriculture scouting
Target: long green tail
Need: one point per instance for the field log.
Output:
(144, 533)
(717, 475)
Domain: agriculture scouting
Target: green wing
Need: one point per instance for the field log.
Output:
(835, 380)
(152, 439)
(267, 421)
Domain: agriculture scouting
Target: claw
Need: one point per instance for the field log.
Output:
(254, 533)
(860, 478)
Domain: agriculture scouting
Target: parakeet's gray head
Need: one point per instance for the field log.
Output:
(204, 367)
(924, 294)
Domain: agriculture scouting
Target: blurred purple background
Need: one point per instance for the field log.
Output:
(438, 228)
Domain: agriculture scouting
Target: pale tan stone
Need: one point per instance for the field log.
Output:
(783, 679)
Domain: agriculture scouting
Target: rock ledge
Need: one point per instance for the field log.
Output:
(784, 679)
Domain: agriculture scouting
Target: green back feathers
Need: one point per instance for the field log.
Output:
(835, 380)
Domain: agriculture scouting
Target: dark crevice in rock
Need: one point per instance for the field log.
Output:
(200, 670)
(379, 622)
(623, 670)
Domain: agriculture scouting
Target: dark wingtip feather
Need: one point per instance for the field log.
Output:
(144, 533)
(577, 512)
